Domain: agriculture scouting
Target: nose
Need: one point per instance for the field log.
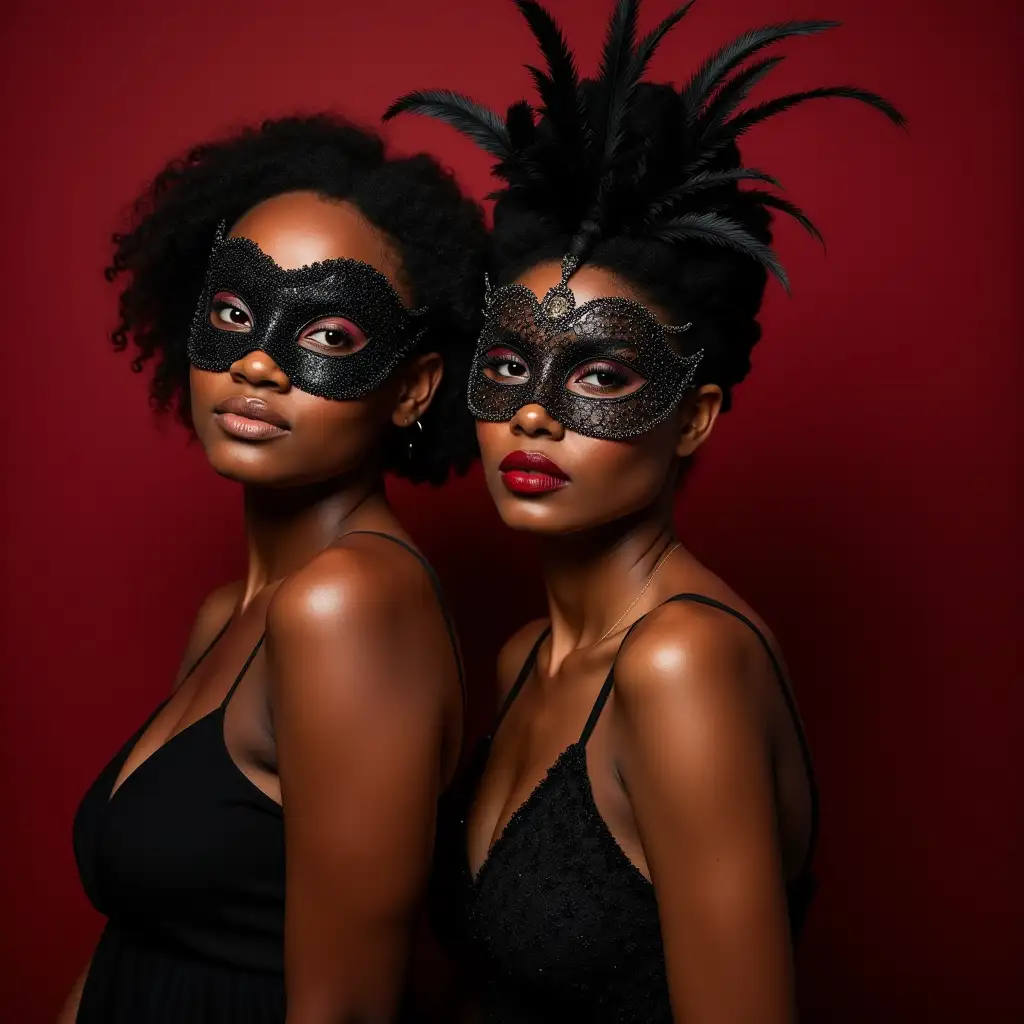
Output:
(534, 420)
(260, 371)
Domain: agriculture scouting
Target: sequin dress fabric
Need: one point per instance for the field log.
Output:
(559, 924)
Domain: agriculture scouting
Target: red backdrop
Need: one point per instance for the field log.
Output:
(862, 494)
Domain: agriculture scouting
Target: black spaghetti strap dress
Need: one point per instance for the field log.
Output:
(187, 862)
(558, 923)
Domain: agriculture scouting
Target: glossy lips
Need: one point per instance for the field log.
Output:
(531, 473)
(250, 419)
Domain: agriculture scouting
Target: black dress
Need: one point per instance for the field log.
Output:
(559, 924)
(187, 861)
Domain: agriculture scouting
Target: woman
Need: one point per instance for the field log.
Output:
(638, 844)
(264, 838)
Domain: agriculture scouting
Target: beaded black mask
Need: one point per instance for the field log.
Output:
(280, 304)
(531, 352)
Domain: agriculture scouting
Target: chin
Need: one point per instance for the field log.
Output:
(545, 516)
(249, 464)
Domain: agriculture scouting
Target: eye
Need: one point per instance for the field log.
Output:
(229, 313)
(505, 366)
(604, 379)
(332, 335)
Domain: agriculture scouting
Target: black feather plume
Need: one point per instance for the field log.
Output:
(559, 85)
(599, 163)
(724, 232)
(478, 122)
(646, 47)
(680, 195)
(762, 198)
(615, 79)
(733, 92)
(762, 111)
(718, 66)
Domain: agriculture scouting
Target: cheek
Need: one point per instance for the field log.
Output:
(330, 429)
(201, 387)
(493, 440)
(629, 474)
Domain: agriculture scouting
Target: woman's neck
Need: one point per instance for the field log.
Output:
(592, 577)
(286, 527)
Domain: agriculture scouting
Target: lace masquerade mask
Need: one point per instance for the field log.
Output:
(280, 304)
(606, 369)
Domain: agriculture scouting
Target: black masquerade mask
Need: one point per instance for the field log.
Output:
(606, 369)
(337, 328)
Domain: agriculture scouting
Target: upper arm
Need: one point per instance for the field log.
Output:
(514, 653)
(212, 616)
(358, 675)
(696, 762)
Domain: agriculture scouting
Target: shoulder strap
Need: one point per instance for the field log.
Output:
(606, 688)
(435, 582)
(243, 670)
(710, 602)
(524, 674)
(209, 647)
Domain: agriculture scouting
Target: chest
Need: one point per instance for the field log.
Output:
(558, 909)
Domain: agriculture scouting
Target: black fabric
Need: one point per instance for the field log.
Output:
(187, 861)
(558, 923)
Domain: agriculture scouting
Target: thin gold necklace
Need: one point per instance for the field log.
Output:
(650, 579)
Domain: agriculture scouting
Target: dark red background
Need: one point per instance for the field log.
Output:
(862, 495)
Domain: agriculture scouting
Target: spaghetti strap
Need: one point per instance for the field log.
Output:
(243, 670)
(435, 582)
(209, 647)
(606, 688)
(710, 602)
(524, 674)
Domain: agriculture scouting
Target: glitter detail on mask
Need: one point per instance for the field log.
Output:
(554, 337)
(284, 302)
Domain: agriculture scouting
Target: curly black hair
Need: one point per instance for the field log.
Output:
(438, 233)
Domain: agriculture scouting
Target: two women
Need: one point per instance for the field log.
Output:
(634, 843)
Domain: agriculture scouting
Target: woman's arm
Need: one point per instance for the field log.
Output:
(69, 1011)
(696, 763)
(360, 664)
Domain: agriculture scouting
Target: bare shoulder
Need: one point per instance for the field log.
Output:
(360, 581)
(361, 618)
(692, 654)
(219, 605)
(514, 653)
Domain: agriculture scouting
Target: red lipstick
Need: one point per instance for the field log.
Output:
(531, 473)
(250, 419)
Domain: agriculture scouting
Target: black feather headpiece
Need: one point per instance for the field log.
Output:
(584, 165)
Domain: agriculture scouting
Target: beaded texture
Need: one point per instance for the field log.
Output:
(283, 302)
(554, 337)
(587, 944)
